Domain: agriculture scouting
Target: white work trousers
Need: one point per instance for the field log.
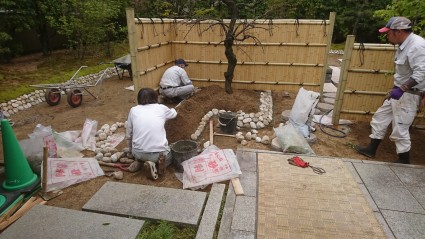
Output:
(401, 114)
(181, 92)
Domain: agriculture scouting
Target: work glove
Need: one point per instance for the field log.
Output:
(396, 93)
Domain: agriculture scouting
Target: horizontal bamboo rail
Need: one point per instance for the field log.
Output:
(257, 82)
(252, 43)
(258, 21)
(143, 72)
(358, 112)
(374, 71)
(360, 92)
(152, 46)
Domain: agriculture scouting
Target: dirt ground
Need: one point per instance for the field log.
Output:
(113, 106)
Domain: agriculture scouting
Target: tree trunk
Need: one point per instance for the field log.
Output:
(231, 62)
(228, 44)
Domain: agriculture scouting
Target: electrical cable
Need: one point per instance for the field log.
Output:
(329, 127)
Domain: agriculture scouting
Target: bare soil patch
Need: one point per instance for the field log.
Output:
(115, 102)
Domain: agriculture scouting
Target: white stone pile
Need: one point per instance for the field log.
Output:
(105, 151)
(250, 122)
(36, 97)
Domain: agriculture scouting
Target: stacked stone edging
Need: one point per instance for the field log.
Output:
(36, 97)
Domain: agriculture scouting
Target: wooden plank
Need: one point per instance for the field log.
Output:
(237, 187)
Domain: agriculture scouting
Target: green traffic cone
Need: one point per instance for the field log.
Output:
(18, 172)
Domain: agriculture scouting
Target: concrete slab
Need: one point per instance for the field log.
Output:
(336, 71)
(244, 216)
(324, 107)
(329, 87)
(247, 160)
(148, 202)
(209, 217)
(227, 216)
(369, 198)
(242, 235)
(330, 101)
(54, 222)
(418, 193)
(249, 183)
(410, 176)
(377, 175)
(330, 95)
(384, 225)
(394, 198)
(405, 225)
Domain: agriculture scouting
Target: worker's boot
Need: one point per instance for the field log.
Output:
(161, 164)
(369, 150)
(150, 169)
(403, 158)
(135, 166)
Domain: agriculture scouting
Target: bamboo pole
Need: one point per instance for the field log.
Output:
(326, 53)
(258, 82)
(346, 62)
(307, 44)
(374, 71)
(257, 21)
(362, 92)
(143, 48)
(133, 48)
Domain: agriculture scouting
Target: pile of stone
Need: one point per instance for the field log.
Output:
(250, 122)
(105, 151)
(36, 97)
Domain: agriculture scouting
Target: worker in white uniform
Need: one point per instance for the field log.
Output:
(145, 133)
(175, 83)
(406, 97)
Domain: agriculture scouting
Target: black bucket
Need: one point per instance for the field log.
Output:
(183, 150)
(228, 122)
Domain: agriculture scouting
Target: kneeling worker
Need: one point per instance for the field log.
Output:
(175, 83)
(145, 133)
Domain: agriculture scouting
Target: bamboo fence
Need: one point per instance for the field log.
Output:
(365, 80)
(290, 53)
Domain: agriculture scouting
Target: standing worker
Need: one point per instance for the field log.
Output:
(145, 133)
(175, 83)
(407, 95)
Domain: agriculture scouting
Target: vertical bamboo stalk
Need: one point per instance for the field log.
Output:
(135, 68)
(346, 62)
(328, 47)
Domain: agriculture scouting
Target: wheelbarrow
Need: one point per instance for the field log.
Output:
(123, 63)
(74, 91)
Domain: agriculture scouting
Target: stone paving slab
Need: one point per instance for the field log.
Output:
(249, 183)
(148, 202)
(227, 214)
(294, 202)
(410, 176)
(244, 214)
(405, 225)
(209, 217)
(247, 160)
(395, 198)
(418, 193)
(54, 222)
(377, 174)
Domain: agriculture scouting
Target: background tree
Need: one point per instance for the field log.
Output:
(14, 17)
(412, 9)
(86, 24)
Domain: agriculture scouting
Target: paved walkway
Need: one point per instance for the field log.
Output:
(354, 199)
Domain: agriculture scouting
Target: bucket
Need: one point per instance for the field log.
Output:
(228, 122)
(183, 150)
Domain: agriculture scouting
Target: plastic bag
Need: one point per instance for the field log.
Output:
(88, 134)
(45, 134)
(209, 167)
(292, 141)
(33, 152)
(303, 110)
